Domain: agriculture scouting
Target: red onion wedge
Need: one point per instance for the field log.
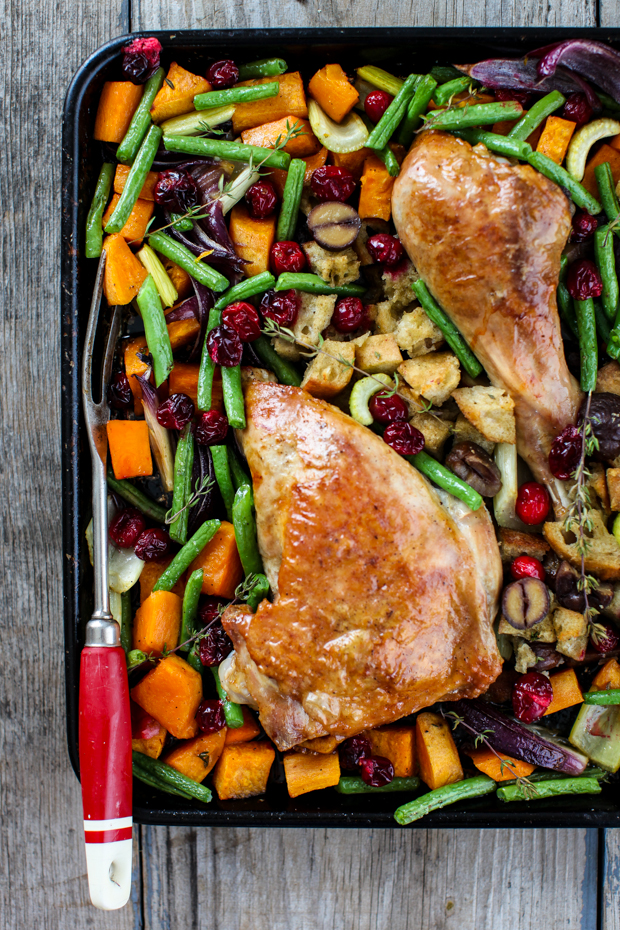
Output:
(595, 61)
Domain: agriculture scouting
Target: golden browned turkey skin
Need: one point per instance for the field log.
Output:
(384, 591)
(487, 238)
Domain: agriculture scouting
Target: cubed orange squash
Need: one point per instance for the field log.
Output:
(134, 229)
(151, 573)
(130, 451)
(310, 772)
(176, 96)
(605, 153)
(489, 763)
(504, 126)
(267, 135)
(244, 733)
(135, 366)
(148, 188)
(147, 734)
(124, 274)
(252, 239)
(608, 677)
(376, 190)
(352, 161)
(289, 101)
(242, 770)
(157, 623)
(197, 756)
(332, 90)
(220, 563)
(555, 138)
(179, 277)
(184, 380)
(396, 744)
(182, 333)
(171, 693)
(566, 691)
(118, 102)
(438, 758)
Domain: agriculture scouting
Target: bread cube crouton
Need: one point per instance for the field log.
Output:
(464, 431)
(434, 376)
(598, 484)
(490, 410)
(416, 334)
(305, 772)
(513, 543)
(572, 633)
(384, 316)
(603, 555)
(336, 268)
(613, 486)
(378, 354)
(396, 744)
(435, 432)
(243, 769)
(525, 657)
(608, 379)
(398, 284)
(315, 312)
(325, 377)
(248, 373)
(543, 632)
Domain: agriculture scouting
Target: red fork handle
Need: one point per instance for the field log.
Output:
(105, 772)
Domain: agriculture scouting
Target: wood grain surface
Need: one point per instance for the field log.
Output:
(234, 879)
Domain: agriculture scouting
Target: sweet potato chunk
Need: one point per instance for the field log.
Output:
(331, 89)
(197, 756)
(220, 563)
(396, 744)
(124, 273)
(176, 96)
(151, 573)
(487, 762)
(305, 772)
(245, 733)
(157, 623)
(438, 759)
(117, 105)
(130, 451)
(566, 691)
(252, 239)
(289, 101)
(267, 135)
(242, 770)
(171, 694)
(134, 229)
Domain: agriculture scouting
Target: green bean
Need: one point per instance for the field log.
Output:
(536, 114)
(607, 192)
(478, 115)
(222, 98)
(235, 151)
(165, 773)
(284, 371)
(182, 256)
(140, 121)
(446, 479)
(613, 343)
(249, 288)
(265, 67)
(137, 498)
(353, 784)
(450, 88)
(588, 347)
(608, 102)
(94, 229)
(233, 396)
(387, 156)
(155, 330)
(259, 591)
(565, 301)
(181, 222)
(445, 73)
(193, 657)
(191, 596)
(442, 797)
(182, 485)
(207, 365)
(126, 621)
(416, 108)
(452, 336)
(186, 555)
(385, 128)
(603, 326)
(591, 772)
(287, 221)
(612, 696)
(232, 712)
(559, 175)
(135, 180)
(159, 785)
(245, 531)
(312, 284)
(548, 789)
(221, 468)
(503, 145)
(239, 477)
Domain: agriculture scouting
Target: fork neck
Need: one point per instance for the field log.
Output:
(100, 539)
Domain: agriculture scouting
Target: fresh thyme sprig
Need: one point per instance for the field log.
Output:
(200, 491)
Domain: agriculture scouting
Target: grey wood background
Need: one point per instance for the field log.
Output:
(217, 878)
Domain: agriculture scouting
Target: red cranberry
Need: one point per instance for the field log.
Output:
(565, 453)
(125, 527)
(215, 646)
(504, 94)
(210, 716)
(175, 412)
(376, 771)
(584, 226)
(243, 318)
(287, 256)
(577, 109)
(119, 392)
(531, 696)
(404, 438)
(583, 280)
(212, 428)
(526, 566)
(606, 642)
(387, 408)
(385, 249)
(332, 183)
(176, 190)
(143, 726)
(352, 751)
(141, 59)
(209, 609)
(376, 104)
(532, 506)
(225, 347)
(280, 306)
(261, 199)
(153, 546)
(223, 74)
(349, 314)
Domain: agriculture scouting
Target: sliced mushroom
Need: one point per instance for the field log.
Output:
(334, 225)
(470, 462)
(525, 603)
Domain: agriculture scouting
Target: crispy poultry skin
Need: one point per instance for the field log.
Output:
(487, 238)
(384, 595)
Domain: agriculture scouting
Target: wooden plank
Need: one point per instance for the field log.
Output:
(611, 881)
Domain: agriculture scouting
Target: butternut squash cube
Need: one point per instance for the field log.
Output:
(566, 691)
(375, 191)
(150, 575)
(148, 188)
(396, 744)
(489, 763)
(438, 759)
(332, 90)
(176, 96)
(607, 678)
(197, 756)
(171, 694)
(152, 746)
(157, 623)
(118, 102)
(246, 732)
(130, 451)
(555, 138)
(305, 772)
(124, 274)
(242, 770)
(184, 380)
(252, 239)
(134, 229)
(220, 563)
(266, 136)
(289, 101)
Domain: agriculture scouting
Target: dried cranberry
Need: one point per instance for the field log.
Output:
(223, 74)
(583, 280)
(332, 183)
(404, 438)
(125, 527)
(212, 428)
(352, 751)
(376, 771)
(526, 566)
(607, 641)
(225, 347)
(175, 412)
(504, 94)
(349, 314)
(153, 546)
(209, 609)
(261, 199)
(531, 696)
(387, 408)
(532, 506)
(280, 306)
(584, 226)
(243, 318)
(385, 249)
(376, 104)
(210, 716)
(119, 392)
(176, 190)
(287, 256)
(215, 646)
(141, 59)
(577, 109)
(565, 453)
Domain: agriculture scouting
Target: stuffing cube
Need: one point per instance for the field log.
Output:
(572, 632)
(490, 410)
(513, 543)
(598, 483)
(608, 379)
(325, 377)
(524, 655)
(416, 334)
(308, 772)
(378, 354)
(613, 486)
(384, 316)
(434, 376)
(398, 284)
(464, 431)
(315, 313)
(336, 268)
(543, 632)
(435, 431)
(242, 770)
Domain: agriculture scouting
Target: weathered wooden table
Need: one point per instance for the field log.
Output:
(217, 878)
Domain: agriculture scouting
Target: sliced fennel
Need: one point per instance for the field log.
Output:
(582, 142)
(124, 566)
(236, 189)
(360, 395)
(165, 288)
(348, 136)
(191, 124)
(504, 501)
(380, 78)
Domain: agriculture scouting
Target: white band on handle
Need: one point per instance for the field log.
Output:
(109, 873)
